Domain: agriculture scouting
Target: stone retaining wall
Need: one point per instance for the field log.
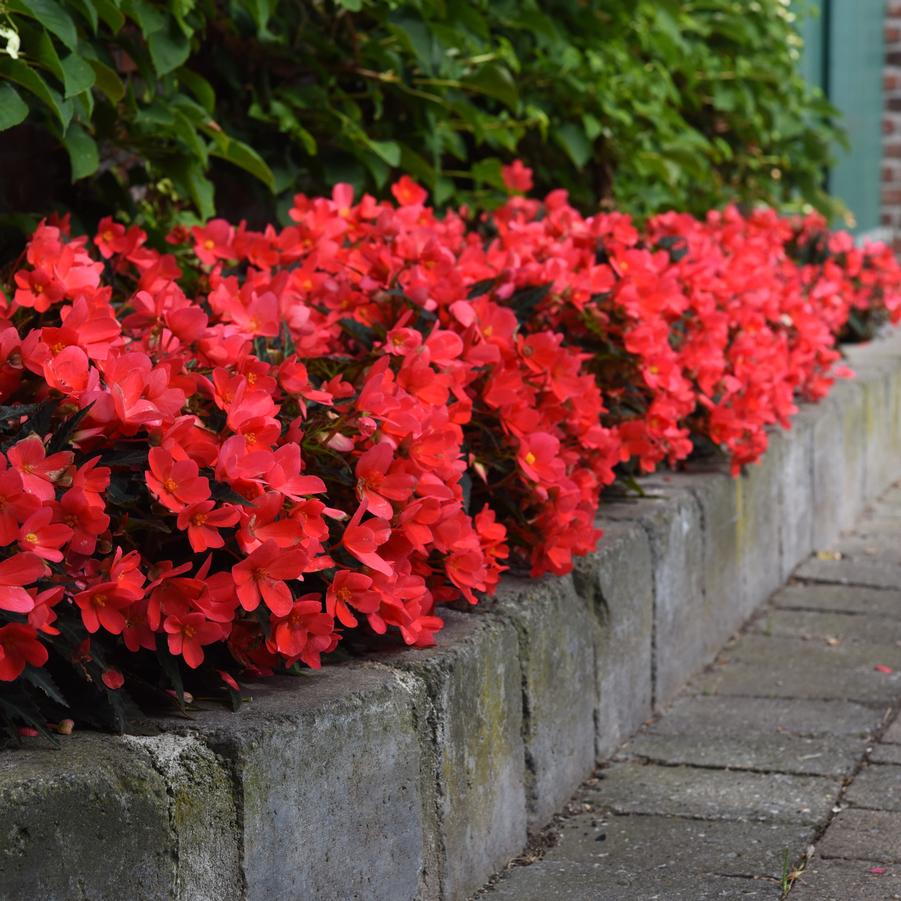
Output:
(418, 774)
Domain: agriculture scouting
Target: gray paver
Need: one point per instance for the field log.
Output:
(863, 835)
(545, 881)
(850, 599)
(883, 753)
(789, 668)
(871, 573)
(625, 845)
(715, 794)
(876, 787)
(842, 880)
(728, 716)
(828, 626)
(826, 756)
(893, 733)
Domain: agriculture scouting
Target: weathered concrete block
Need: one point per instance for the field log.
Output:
(849, 397)
(202, 816)
(91, 820)
(759, 502)
(474, 685)
(830, 510)
(794, 476)
(334, 797)
(671, 518)
(617, 580)
(558, 637)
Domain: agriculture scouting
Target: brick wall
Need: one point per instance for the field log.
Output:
(891, 124)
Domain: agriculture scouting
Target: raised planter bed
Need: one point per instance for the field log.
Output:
(418, 774)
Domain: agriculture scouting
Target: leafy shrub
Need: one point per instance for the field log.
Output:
(239, 453)
(645, 104)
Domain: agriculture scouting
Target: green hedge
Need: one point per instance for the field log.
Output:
(647, 105)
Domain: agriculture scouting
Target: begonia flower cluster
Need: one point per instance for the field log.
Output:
(236, 451)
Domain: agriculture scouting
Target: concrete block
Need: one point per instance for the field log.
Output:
(202, 816)
(794, 476)
(671, 517)
(558, 638)
(759, 502)
(830, 510)
(849, 397)
(334, 797)
(617, 580)
(476, 749)
(91, 820)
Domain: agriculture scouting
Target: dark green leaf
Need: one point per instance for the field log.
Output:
(225, 494)
(13, 109)
(51, 16)
(18, 71)
(78, 75)
(525, 300)
(107, 80)
(83, 154)
(480, 288)
(572, 139)
(61, 435)
(43, 680)
(109, 11)
(169, 49)
(495, 80)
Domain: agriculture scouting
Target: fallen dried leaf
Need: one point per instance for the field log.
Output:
(829, 555)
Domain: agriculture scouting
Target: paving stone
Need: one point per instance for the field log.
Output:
(545, 881)
(839, 598)
(715, 794)
(618, 583)
(626, 845)
(883, 753)
(876, 787)
(789, 668)
(870, 573)
(893, 733)
(863, 835)
(876, 548)
(827, 756)
(843, 880)
(823, 626)
(761, 716)
(882, 523)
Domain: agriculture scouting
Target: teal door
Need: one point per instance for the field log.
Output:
(844, 54)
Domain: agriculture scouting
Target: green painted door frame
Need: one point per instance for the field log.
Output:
(844, 53)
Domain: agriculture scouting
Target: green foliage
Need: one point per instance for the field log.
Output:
(646, 104)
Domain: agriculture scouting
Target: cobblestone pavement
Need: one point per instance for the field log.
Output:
(776, 774)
